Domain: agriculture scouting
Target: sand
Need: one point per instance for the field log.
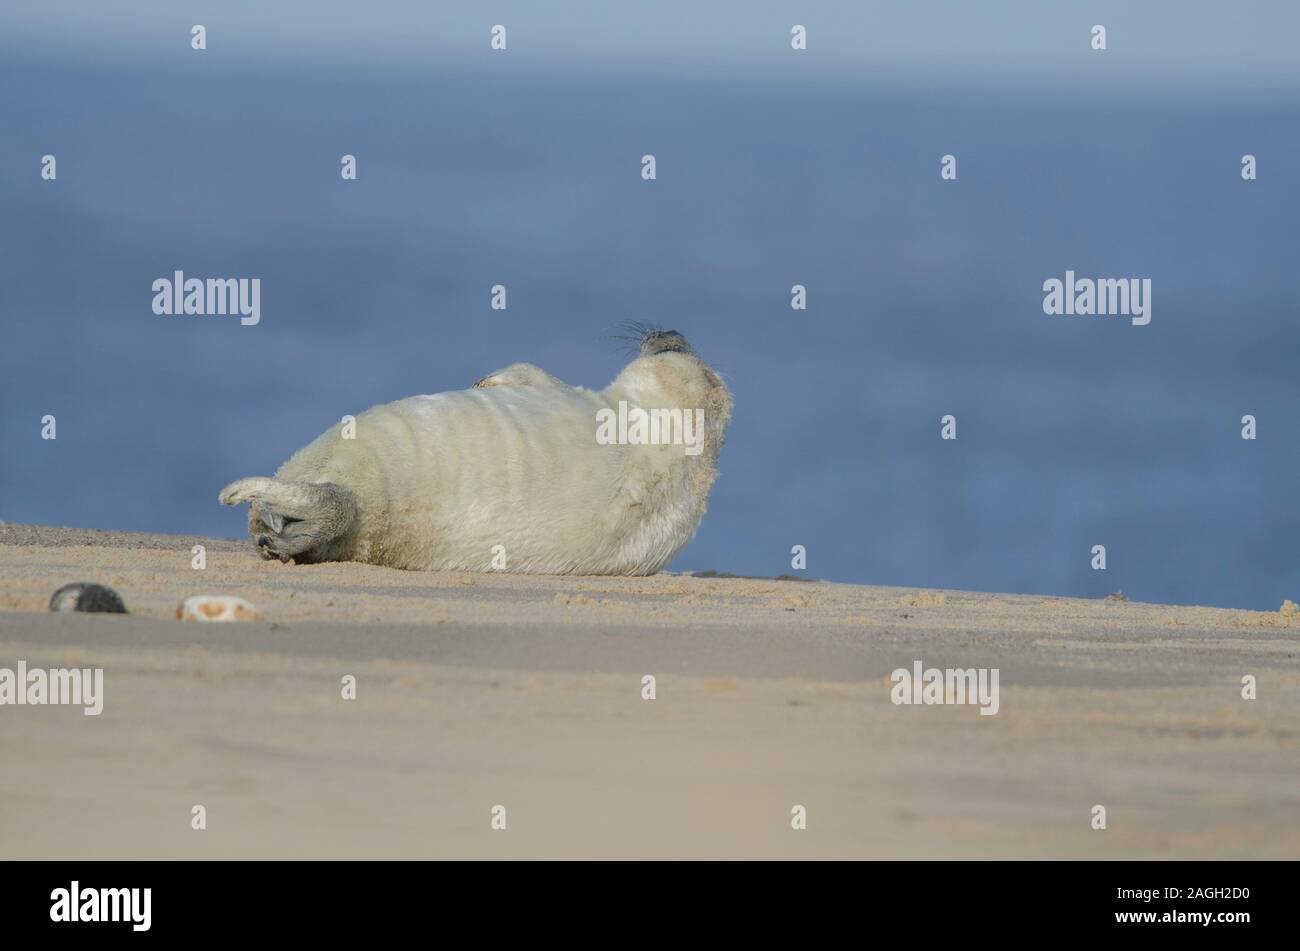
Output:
(479, 690)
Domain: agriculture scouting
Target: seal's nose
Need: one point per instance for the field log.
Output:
(661, 341)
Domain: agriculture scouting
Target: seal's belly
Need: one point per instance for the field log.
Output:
(513, 472)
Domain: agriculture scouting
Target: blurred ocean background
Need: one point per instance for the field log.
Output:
(775, 168)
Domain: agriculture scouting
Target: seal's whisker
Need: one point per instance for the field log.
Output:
(635, 335)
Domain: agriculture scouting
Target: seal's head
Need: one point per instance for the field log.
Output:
(648, 340)
(655, 341)
(668, 374)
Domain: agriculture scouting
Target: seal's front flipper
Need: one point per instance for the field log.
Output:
(518, 374)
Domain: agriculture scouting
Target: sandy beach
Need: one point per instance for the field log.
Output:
(478, 690)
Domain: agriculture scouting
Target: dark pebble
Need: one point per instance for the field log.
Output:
(85, 596)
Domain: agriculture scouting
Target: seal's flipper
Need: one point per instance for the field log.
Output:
(270, 518)
(291, 518)
(518, 374)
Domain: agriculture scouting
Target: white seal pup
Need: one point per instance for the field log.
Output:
(521, 473)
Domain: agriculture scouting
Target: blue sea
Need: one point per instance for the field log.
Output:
(924, 299)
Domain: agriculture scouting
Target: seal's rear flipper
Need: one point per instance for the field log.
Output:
(291, 518)
(269, 516)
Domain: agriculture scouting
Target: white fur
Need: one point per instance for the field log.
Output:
(439, 480)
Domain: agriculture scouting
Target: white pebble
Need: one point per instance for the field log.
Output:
(217, 607)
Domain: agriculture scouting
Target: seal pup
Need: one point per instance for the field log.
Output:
(507, 475)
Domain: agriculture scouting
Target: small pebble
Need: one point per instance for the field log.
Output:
(217, 607)
(85, 596)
